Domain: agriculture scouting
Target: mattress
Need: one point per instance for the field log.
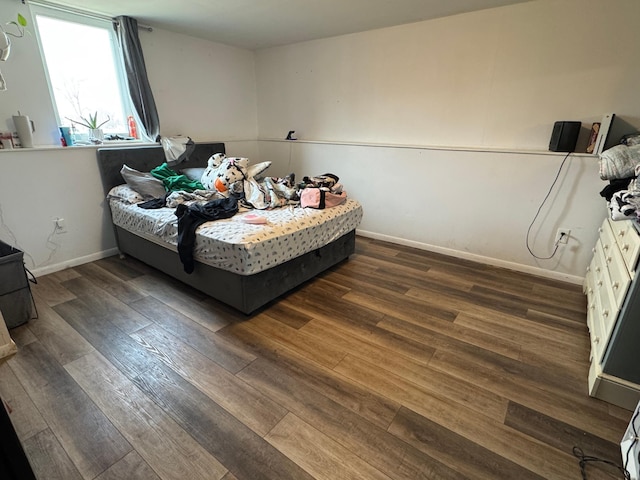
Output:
(239, 247)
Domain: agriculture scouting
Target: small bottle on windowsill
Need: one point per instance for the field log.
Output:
(133, 130)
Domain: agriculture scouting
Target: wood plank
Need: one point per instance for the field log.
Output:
(49, 290)
(242, 451)
(363, 346)
(373, 444)
(319, 455)
(370, 332)
(562, 294)
(60, 339)
(436, 324)
(25, 417)
(539, 303)
(90, 440)
(236, 446)
(378, 410)
(382, 300)
(535, 342)
(241, 400)
(431, 380)
(480, 429)
(415, 275)
(559, 434)
(557, 321)
(158, 439)
(434, 339)
(523, 386)
(131, 467)
(467, 301)
(186, 300)
(364, 281)
(194, 334)
(296, 340)
(466, 456)
(22, 336)
(283, 313)
(126, 268)
(102, 303)
(121, 350)
(123, 291)
(48, 459)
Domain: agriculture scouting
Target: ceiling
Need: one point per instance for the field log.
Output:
(255, 24)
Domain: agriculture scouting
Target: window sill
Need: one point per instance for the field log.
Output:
(108, 143)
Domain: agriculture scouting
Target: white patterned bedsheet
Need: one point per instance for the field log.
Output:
(242, 248)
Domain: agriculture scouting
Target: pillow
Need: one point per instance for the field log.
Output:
(144, 183)
(194, 173)
(126, 194)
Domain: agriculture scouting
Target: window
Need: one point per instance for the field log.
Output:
(84, 70)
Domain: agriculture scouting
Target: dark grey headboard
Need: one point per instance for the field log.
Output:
(145, 158)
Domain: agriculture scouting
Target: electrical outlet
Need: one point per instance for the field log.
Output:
(60, 225)
(562, 235)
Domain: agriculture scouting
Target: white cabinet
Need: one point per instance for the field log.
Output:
(612, 286)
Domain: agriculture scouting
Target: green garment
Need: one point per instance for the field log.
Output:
(174, 181)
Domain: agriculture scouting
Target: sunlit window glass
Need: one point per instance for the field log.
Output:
(82, 73)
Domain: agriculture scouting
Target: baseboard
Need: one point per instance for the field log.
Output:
(539, 272)
(74, 262)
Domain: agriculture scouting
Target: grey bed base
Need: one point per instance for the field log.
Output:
(246, 293)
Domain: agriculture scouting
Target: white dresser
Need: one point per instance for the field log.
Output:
(612, 286)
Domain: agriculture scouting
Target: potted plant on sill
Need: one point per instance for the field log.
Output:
(96, 135)
(5, 42)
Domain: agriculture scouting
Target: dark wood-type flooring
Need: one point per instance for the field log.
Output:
(397, 364)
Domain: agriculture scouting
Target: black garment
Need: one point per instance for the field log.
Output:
(615, 186)
(154, 203)
(192, 216)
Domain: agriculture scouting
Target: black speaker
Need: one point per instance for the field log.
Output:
(564, 136)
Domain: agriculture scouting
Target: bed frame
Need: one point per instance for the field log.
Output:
(246, 293)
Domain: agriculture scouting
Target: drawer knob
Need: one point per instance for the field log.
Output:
(593, 250)
(605, 246)
(596, 340)
(605, 313)
(598, 269)
(621, 233)
(616, 285)
(609, 259)
(625, 247)
(600, 230)
(599, 283)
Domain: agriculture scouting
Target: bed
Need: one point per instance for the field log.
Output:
(266, 263)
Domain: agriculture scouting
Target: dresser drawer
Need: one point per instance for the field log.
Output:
(607, 238)
(599, 272)
(619, 278)
(594, 320)
(628, 241)
(608, 309)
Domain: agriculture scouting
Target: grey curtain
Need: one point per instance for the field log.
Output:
(139, 88)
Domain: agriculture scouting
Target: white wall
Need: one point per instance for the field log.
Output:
(211, 95)
(202, 89)
(496, 79)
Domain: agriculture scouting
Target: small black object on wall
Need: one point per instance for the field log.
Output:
(564, 136)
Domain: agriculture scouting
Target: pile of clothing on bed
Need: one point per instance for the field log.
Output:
(226, 186)
(620, 165)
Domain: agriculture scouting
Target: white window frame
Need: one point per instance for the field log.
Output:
(86, 18)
